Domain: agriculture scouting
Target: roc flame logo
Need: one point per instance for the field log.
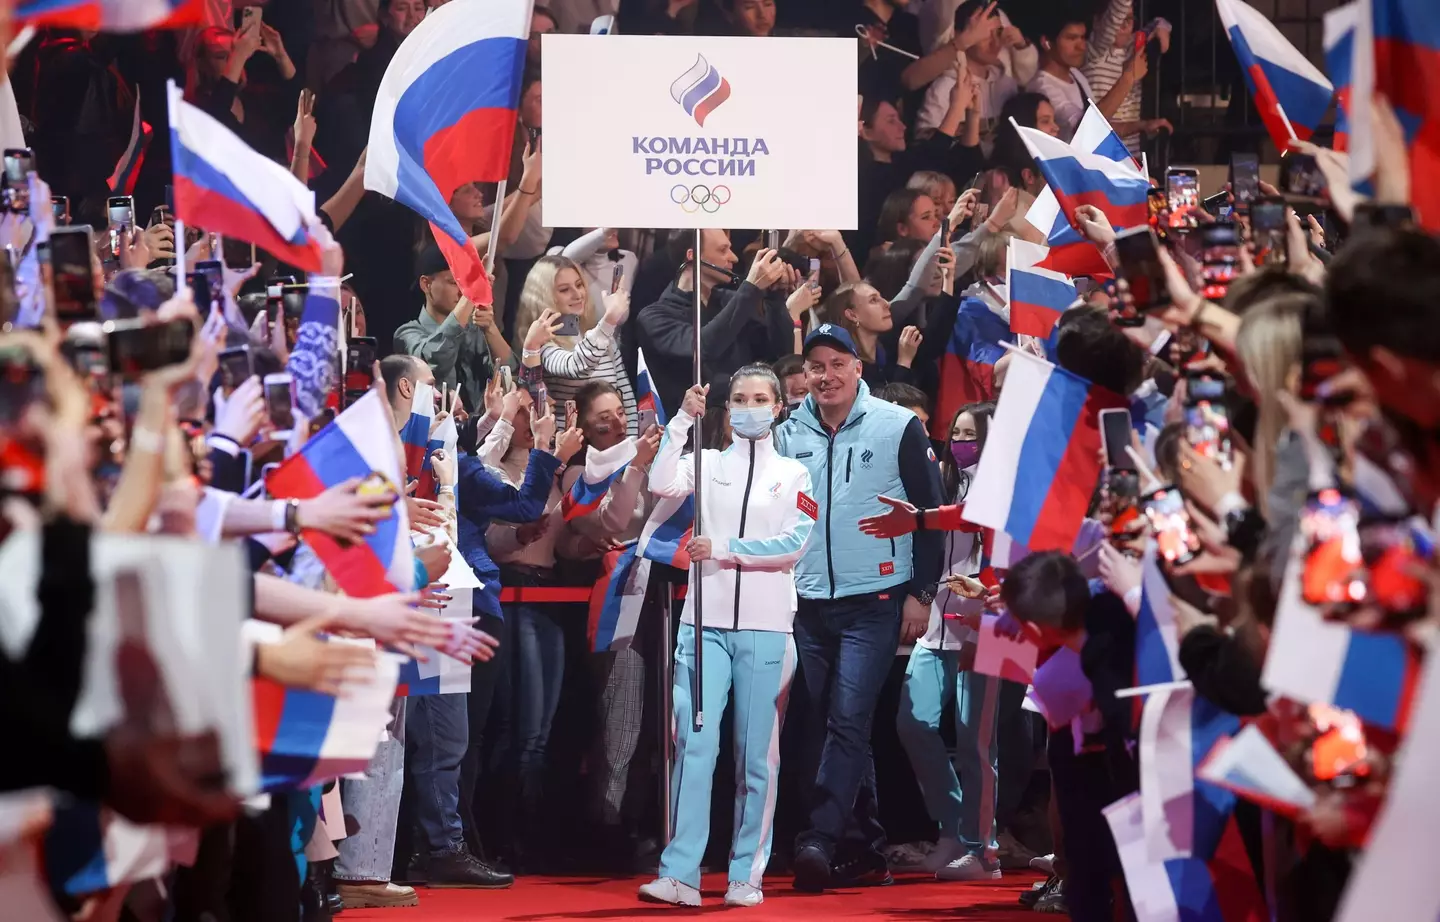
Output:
(700, 90)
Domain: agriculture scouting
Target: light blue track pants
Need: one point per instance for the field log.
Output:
(963, 806)
(759, 666)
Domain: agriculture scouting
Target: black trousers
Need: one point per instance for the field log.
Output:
(1086, 783)
(486, 778)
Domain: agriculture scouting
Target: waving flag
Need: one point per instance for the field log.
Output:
(668, 531)
(1042, 459)
(616, 600)
(1340, 63)
(306, 738)
(1222, 889)
(1290, 92)
(1184, 817)
(127, 169)
(90, 848)
(1316, 661)
(415, 434)
(1037, 296)
(646, 397)
(967, 369)
(1070, 253)
(224, 186)
(602, 468)
(359, 443)
(1079, 177)
(1157, 639)
(111, 15)
(440, 674)
(445, 116)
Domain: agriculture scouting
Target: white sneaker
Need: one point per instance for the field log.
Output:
(669, 890)
(1045, 864)
(945, 851)
(1011, 853)
(969, 867)
(741, 893)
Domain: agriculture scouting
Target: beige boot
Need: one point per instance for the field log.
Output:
(376, 895)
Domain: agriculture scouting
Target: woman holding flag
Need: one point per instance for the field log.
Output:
(758, 516)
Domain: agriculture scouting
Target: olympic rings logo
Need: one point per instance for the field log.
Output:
(700, 198)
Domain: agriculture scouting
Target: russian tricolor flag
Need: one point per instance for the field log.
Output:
(1184, 817)
(1157, 639)
(224, 186)
(415, 434)
(1339, 44)
(646, 397)
(1290, 92)
(1037, 296)
(306, 738)
(1042, 460)
(668, 530)
(127, 169)
(111, 15)
(440, 674)
(1076, 177)
(616, 600)
(967, 369)
(1070, 253)
(602, 468)
(445, 116)
(1222, 889)
(359, 443)
(90, 848)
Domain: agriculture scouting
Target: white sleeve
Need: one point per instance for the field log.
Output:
(669, 475)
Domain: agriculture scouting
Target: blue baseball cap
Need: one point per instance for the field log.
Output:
(830, 334)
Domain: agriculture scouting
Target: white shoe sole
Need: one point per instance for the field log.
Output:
(681, 901)
(747, 901)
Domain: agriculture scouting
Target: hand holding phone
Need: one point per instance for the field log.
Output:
(1174, 536)
(1138, 252)
(279, 404)
(1182, 193)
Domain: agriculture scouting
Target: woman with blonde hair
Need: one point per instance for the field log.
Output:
(1269, 343)
(556, 288)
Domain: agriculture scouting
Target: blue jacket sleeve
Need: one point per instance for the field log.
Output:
(484, 496)
(921, 477)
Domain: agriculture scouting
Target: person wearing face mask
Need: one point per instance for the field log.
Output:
(791, 372)
(939, 673)
(758, 513)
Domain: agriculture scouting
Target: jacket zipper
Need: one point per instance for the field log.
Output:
(849, 463)
(744, 510)
(829, 505)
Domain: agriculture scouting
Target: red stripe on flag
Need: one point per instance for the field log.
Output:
(1057, 524)
(268, 700)
(466, 265)
(467, 150)
(1236, 889)
(1076, 259)
(1122, 216)
(1268, 105)
(1032, 319)
(201, 207)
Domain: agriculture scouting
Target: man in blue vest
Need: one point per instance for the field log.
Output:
(859, 597)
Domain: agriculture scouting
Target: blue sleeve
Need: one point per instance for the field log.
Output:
(484, 496)
(421, 578)
(921, 477)
(313, 360)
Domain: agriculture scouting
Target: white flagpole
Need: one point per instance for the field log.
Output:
(180, 254)
(696, 681)
(495, 225)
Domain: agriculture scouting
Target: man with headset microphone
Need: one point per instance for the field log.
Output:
(742, 325)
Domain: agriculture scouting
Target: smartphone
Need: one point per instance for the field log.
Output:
(279, 404)
(121, 212)
(214, 272)
(1330, 527)
(9, 301)
(359, 367)
(22, 382)
(236, 367)
(60, 206)
(292, 300)
(1115, 430)
(1219, 259)
(237, 254)
(136, 347)
(772, 240)
(507, 379)
(1244, 180)
(1182, 195)
(617, 275)
(71, 252)
(19, 162)
(1177, 541)
(265, 471)
(1207, 417)
(1138, 251)
(569, 325)
(945, 231)
(1340, 747)
(571, 414)
(1301, 181)
(246, 15)
(1268, 230)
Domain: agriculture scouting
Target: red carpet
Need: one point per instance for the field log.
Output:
(540, 899)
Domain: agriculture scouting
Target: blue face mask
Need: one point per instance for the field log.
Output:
(751, 422)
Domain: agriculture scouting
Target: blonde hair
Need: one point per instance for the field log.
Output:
(990, 255)
(538, 296)
(1269, 344)
(930, 183)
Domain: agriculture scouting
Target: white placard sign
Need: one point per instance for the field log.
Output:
(680, 131)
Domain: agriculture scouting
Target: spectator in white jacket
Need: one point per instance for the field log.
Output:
(757, 515)
(995, 53)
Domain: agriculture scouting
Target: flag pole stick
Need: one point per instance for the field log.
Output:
(696, 676)
(1289, 128)
(180, 255)
(495, 225)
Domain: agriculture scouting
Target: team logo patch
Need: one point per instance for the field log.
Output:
(775, 490)
(887, 568)
(931, 453)
(807, 506)
(804, 454)
(866, 457)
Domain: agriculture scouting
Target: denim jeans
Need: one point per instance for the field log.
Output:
(439, 733)
(484, 780)
(846, 647)
(374, 803)
(538, 674)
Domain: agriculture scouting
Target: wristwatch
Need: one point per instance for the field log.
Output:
(924, 596)
(292, 516)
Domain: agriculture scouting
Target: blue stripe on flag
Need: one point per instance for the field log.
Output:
(1194, 890)
(1213, 804)
(75, 849)
(614, 593)
(489, 70)
(1066, 174)
(1047, 439)
(1305, 102)
(299, 738)
(1372, 677)
(334, 460)
(665, 541)
(1040, 290)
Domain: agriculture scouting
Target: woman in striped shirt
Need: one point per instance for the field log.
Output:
(556, 287)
